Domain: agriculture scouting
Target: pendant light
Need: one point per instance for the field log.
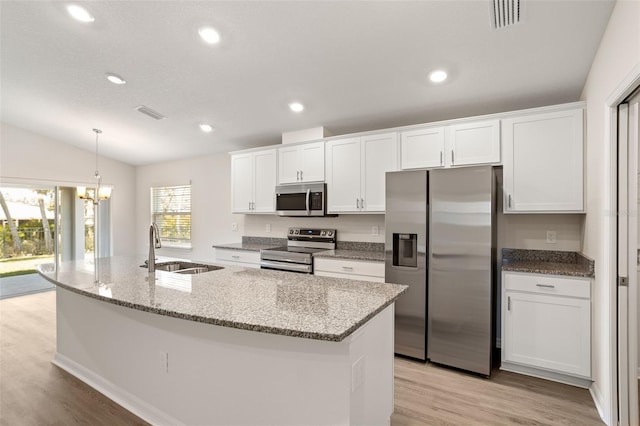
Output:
(98, 193)
(95, 195)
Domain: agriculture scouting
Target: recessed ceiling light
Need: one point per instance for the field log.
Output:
(79, 13)
(209, 35)
(115, 79)
(296, 106)
(206, 128)
(438, 76)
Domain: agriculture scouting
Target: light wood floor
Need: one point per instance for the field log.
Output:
(35, 392)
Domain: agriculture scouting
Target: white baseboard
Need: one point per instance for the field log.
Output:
(140, 408)
(596, 396)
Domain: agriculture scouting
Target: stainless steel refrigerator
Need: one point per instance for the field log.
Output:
(440, 239)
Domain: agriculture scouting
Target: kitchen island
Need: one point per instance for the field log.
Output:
(231, 346)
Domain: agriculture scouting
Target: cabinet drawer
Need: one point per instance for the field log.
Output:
(350, 267)
(548, 284)
(238, 256)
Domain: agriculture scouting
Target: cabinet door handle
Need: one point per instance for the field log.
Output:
(297, 175)
(249, 205)
(362, 203)
(357, 203)
(546, 285)
(508, 303)
(301, 178)
(441, 158)
(253, 206)
(452, 159)
(509, 200)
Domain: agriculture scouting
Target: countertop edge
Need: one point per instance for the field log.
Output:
(356, 255)
(533, 270)
(331, 337)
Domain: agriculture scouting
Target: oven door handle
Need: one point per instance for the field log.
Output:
(308, 200)
(281, 266)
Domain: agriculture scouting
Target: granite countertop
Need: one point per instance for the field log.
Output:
(247, 246)
(547, 262)
(374, 256)
(260, 300)
(254, 243)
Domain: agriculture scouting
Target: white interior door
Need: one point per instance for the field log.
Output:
(628, 130)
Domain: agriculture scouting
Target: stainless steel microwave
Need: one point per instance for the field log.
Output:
(301, 199)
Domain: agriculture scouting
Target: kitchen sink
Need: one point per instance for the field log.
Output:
(180, 267)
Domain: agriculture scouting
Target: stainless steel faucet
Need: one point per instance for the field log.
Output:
(154, 243)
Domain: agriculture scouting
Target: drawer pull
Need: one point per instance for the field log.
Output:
(347, 268)
(546, 285)
(235, 257)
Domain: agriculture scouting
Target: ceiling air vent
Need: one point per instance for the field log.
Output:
(504, 13)
(151, 113)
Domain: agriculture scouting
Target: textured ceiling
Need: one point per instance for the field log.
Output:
(355, 65)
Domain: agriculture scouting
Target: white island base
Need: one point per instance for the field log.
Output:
(173, 371)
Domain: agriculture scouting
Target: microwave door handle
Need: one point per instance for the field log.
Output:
(308, 199)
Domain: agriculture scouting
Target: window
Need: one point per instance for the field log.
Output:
(171, 211)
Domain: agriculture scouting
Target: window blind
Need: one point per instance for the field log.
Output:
(171, 211)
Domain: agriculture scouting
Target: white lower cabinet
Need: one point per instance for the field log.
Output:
(246, 258)
(363, 270)
(546, 326)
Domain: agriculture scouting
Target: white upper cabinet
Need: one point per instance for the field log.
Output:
(422, 148)
(473, 143)
(301, 163)
(543, 163)
(454, 145)
(356, 170)
(253, 182)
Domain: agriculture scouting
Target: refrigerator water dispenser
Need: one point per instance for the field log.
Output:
(405, 250)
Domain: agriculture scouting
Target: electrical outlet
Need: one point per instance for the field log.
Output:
(234, 227)
(267, 227)
(551, 237)
(375, 230)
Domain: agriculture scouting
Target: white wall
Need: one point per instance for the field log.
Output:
(530, 231)
(27, 157)
(211, 216)
(618, 54)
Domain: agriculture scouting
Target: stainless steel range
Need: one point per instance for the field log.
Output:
(297, 255)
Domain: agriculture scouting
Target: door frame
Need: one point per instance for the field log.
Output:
(625, 88)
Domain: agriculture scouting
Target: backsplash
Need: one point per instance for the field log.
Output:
(350, 227)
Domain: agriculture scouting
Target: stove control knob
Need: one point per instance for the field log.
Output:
(329, 233)
(297, 231)
(323, 233)
(290, 231)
